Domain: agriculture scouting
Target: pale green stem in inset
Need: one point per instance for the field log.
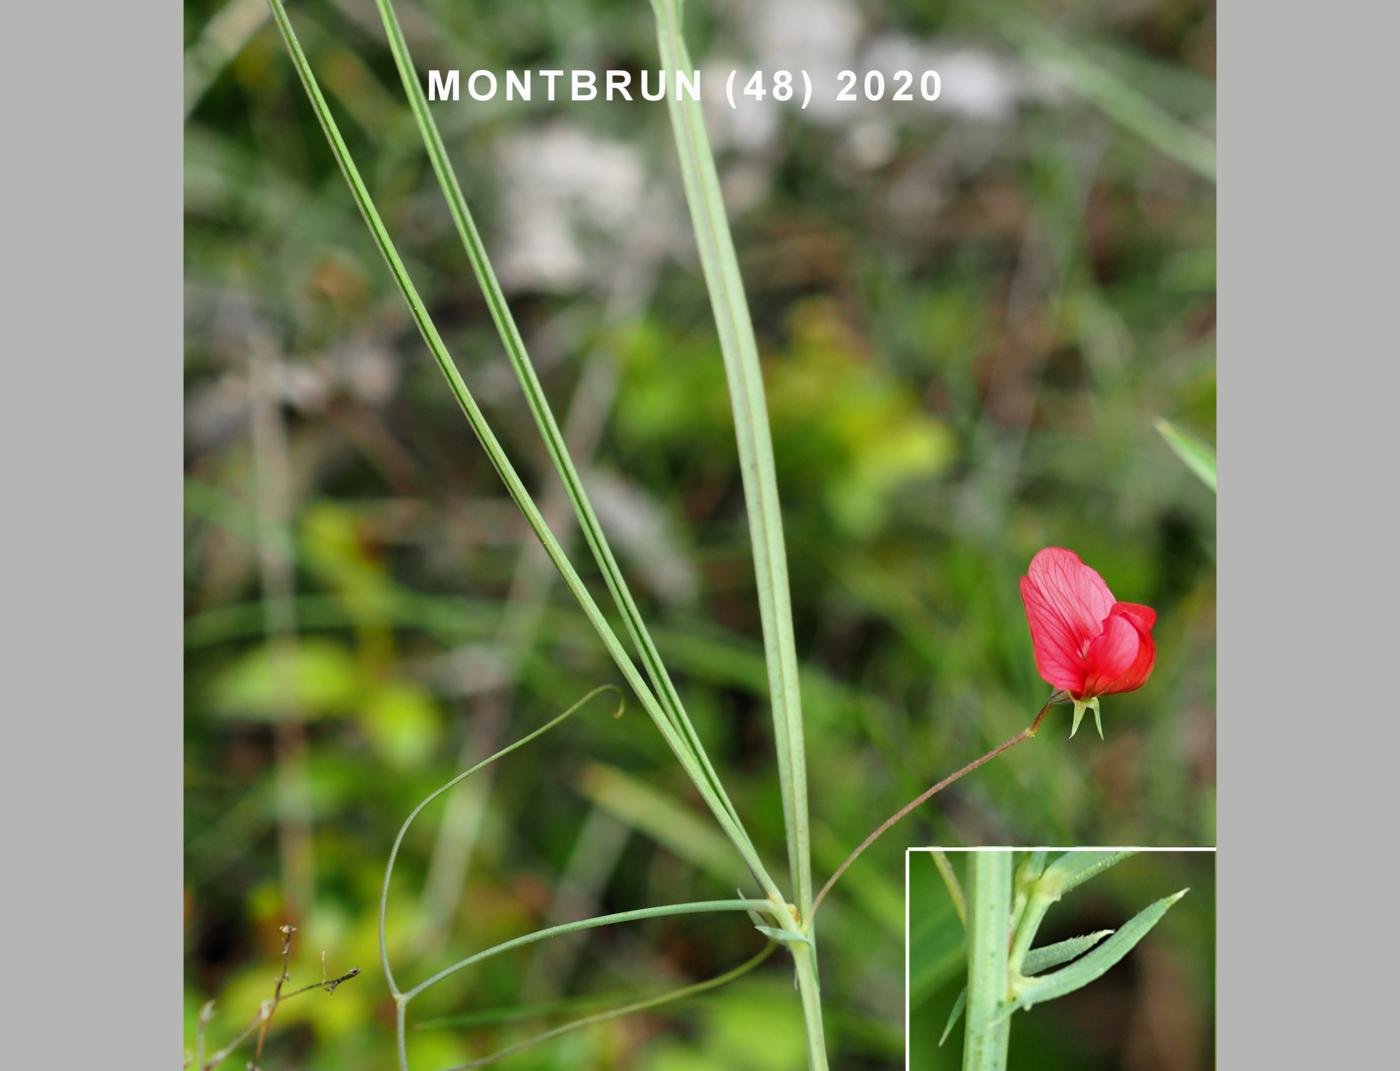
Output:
(988, 1031)
(1027, 924)
(1032, 866)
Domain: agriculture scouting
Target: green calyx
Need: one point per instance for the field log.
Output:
(1080, 706)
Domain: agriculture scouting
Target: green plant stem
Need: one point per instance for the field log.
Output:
(744, 374)
(804, 960)
(739, 347)
(923, 797)
(679, 745)
(988, 1031)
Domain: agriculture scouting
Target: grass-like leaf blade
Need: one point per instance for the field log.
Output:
(1073, 869)
(1195, 454)
(1095, 963)
(1038, 959)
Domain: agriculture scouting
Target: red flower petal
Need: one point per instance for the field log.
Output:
(1066, 604)
(1135, 676)
(1143, 615)
(1111, 655)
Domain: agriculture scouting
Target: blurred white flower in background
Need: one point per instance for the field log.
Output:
(561, 187)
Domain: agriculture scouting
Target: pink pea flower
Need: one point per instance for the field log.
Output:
(1086, 642)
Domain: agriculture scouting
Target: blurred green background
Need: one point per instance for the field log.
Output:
(1152, 1011)
(971, 313)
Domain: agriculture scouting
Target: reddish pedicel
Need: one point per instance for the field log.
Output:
(1086, 642)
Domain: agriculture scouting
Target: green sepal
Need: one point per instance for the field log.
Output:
(1080, 706)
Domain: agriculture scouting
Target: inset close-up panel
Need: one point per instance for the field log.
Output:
(1091, 959)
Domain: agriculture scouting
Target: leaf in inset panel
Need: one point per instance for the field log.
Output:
(1038, 959)
(1047, 956)
(1075, 868)
(959, 1006)
(1096, 962)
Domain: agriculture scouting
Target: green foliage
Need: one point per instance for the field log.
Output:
(1033, 974)
(1027, 292)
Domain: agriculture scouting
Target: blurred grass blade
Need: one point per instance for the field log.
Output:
(1095, 963)
(535, 396)
(660, 817)
(679, 745)
(670, 996)
(1196, 455)
(744, 374)
(1119, 100)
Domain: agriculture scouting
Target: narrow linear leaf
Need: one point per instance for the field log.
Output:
(699, 907)
(1047, 956)
(950, 882)
(739, 349)
(959, 1006)
(1095, 963)
(538, 402)
(1115, 97)
(682, 747)
(672, 825)
(1195, 454)
(1038, 959)
(1073, 869)
(694, 989)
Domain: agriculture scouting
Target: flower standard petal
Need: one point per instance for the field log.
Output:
(1066, 605)
(1056, 647)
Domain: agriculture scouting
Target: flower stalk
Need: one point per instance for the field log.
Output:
(928, 794)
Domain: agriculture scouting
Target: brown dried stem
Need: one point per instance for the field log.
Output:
(263, 1019)
(924, 797)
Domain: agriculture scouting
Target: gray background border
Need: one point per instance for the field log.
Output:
(92, 450)
(1307, 355)
(90, 443)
